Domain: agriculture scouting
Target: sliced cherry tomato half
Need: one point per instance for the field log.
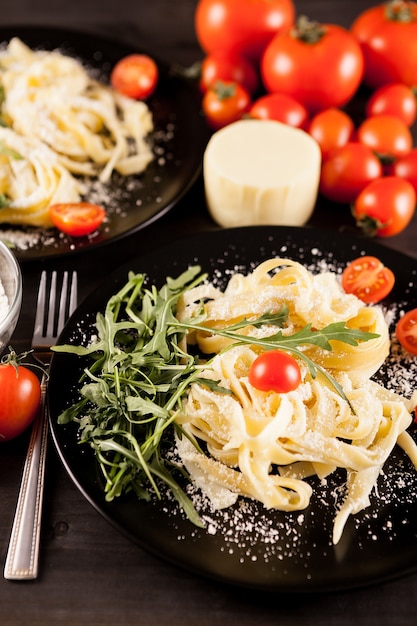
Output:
(275, 371)
(135, 76)
(368, 279)
(77, 218)
(406, 331)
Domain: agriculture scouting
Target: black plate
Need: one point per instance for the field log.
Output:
(281, 551)
(180, 136)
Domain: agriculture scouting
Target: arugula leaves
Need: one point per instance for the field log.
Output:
(140, 372)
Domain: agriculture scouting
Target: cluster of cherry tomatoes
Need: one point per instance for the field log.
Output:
(264, 63)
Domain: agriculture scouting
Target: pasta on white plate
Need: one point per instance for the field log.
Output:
(264, 444)
(76, 125)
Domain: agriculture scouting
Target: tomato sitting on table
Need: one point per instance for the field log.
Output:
(281, 108)
(20, 396)
(320, 65)
(385, 206)
(135, 76)
(243, 26)
(368, 279)
(77, 218)
(275, 371)
(387, 136)
(406, 167)
(224, 103)
(347, 170)
(387, 34)
(230, 67)
(406, 331)
(331, 128)
(394, 99)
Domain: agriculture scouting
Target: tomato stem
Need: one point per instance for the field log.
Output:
(308, 31)
(399, 11)
(369, 225)
(17, 359)
(224, 90)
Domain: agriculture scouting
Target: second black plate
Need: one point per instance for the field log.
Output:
(179, 138)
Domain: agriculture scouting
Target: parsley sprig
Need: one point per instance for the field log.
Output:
(139, 373)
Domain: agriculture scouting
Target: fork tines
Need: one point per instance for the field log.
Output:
(50, 318)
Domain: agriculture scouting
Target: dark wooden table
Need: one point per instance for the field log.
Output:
(89, 573)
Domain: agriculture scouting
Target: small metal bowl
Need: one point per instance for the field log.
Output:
(11, 299)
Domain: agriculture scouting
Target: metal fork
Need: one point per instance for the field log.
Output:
(23, 553)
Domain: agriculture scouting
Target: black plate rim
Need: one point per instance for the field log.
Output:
(196, 243)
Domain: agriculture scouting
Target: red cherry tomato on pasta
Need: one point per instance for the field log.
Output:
(77, 218)
(230, 67)
(281, 108)
(135, 76)
(394, 99)
(275, 371)
(386, 135)
(331, 128)
(406, 331)
(224, 103)
(385, 206)
(20, 396)
(368, 279)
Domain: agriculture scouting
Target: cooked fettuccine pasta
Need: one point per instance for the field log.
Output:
(61, 123)
(265, 444)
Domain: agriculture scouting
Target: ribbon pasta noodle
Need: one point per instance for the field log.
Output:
(265, 444)
(61, 124)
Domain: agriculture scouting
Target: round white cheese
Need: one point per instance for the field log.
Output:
(261, 172)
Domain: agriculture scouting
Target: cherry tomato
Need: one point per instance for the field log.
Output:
(347, 170)
(394, 99)
(385, 135)
(230, 67)
(135, 76)
(243, 26)
(275, 371)
(320, 66)
(368, 279)
(385, 207)
(331, 128)
(406, 331)
(77, 218)
(406, 167)
(20, 396)
(279, 107)
(387, 34)
(224, 103)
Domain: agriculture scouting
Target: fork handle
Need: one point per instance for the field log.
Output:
(23, 553)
